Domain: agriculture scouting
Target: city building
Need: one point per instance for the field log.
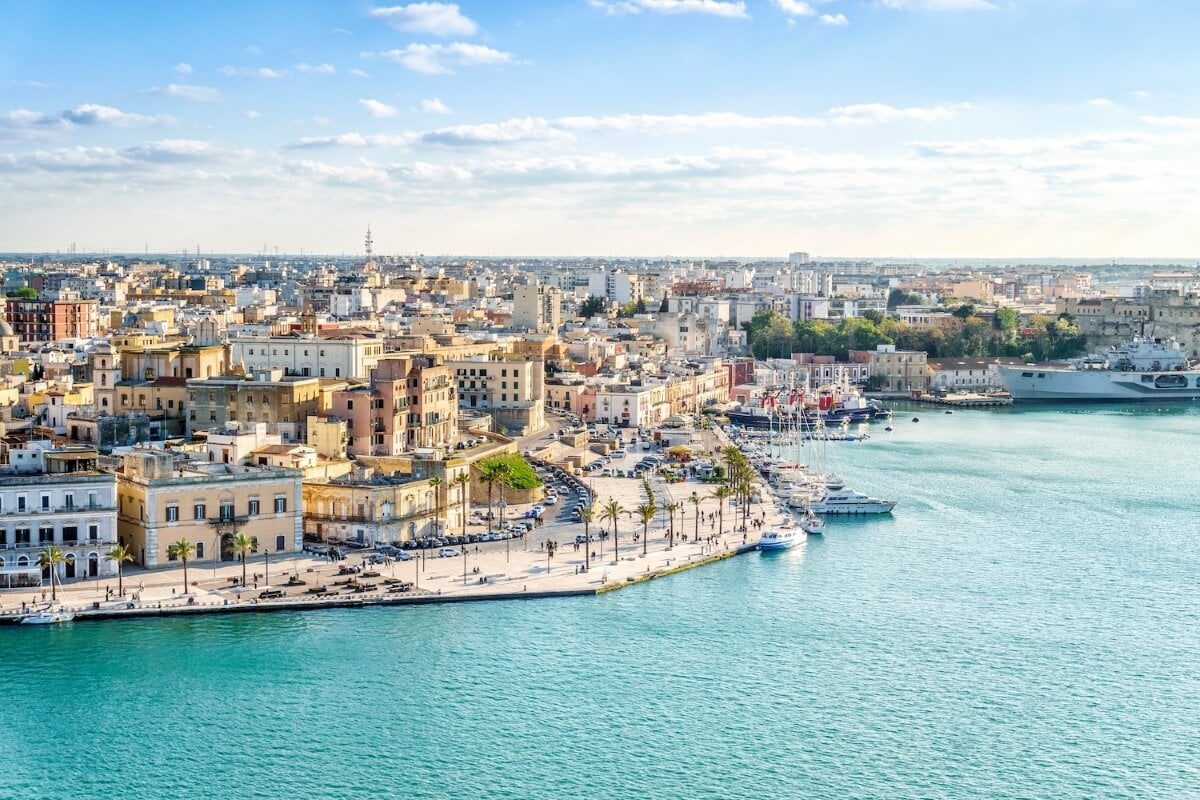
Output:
(55, 497)
(161, 500)
(283, 402)
(537, 308)
(895, 370)
(53, 320)
(328, 354)
(508, 386)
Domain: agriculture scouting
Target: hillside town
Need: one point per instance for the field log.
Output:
(286, 404)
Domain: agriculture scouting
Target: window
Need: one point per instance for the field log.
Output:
(21, 501)
(254, 508)
(93, 532)
(172, 513)
(45, 535)
(349, 405)
(45, 502)
(227, 512)
(280, 543)
(69, 500)
(280, 505)
(199, 550)
(21, 536)
(70, 533)
(199, 511)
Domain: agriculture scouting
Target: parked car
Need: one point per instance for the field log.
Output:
(403, 556)
(448, 552)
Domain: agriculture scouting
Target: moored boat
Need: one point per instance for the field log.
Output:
(783, 538)
(47, 617)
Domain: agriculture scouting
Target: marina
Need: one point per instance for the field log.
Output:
(919, 618)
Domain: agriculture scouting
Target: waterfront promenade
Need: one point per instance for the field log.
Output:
(494, 570)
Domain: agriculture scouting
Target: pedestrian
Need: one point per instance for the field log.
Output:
(43, 595)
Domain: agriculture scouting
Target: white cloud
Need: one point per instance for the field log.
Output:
(94, 114)
(1141, 94)
(937, 5)
(878, 113)
(836, 20)
(359, 73)
(432, 105)
(316, 69)
(377, 109)
(1101, 102)
(253, 115)
(252, 50)
(683, 123)
(733, 9)
(796, 8)
(355, 140)
(183, 91)
(438, 19)
(173, 150)
(510, 131)
(183, 68)
(1172, 121)
(441, 59)
(321, 120)
(230, 71)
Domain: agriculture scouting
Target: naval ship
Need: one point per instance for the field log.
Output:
(1141, 369)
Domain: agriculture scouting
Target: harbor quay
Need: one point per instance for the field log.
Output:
(522, 567)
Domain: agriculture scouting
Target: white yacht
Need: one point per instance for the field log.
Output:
(812, 524)
(782, 539)
(848, 501)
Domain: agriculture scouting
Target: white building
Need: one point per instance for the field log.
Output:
(537, 308)
(338, 355)
(60, 498)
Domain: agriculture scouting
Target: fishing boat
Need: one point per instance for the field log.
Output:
(47, 617)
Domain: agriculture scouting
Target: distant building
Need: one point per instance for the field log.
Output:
(895, 370)
(53, 320)
(537, 308)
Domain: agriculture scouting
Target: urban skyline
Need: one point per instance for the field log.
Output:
(909, 128)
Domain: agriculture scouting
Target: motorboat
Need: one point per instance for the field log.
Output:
(848, 501)
(47, 618)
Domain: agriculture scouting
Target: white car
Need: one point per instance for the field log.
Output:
(550, 499)
(447, 552)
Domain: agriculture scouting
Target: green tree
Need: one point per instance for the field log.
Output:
(586, 515)
(27, 293)
(50, 558)
(242, 545)
(463, 480)
(612, 511)
(435, 483)
(720, 494)
(1006, 318)
(646, 512)
(671, 508)
(593, 306)
(184, 550)
(899, 297)
(121, 554)
(964, 311)
(492, 471)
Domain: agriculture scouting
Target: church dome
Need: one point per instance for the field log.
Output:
(5, 328)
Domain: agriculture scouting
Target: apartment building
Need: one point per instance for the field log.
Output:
(369, 507)
(537, 308)
(53, 320)
(55, 497)
(283, 402)
(508, 386)
(161, 500)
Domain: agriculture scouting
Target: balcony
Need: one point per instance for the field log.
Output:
(71, 544)
(362, 518)
(39, 511)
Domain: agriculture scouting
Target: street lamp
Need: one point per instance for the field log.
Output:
(504, 533)
(266, 567)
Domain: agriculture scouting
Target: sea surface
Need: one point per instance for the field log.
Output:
(1026, 625)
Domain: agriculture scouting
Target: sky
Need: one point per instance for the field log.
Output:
(844, 128)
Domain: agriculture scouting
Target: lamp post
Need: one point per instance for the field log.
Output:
(266, 567)
(503, 505)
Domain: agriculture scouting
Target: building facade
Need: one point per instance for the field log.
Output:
(160, 501)
(61, 498)
(53, 320)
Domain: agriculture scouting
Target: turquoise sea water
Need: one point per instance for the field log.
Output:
(1026, 625)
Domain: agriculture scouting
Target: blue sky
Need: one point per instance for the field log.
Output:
(649, 127)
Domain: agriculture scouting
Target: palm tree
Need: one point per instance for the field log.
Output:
(463, 479)
(242, 545)
(646, 513)
(720, 493)
(436, 483)
(491, 473)
(671, 509)
(121, 554)
(612, 511)
(696, 500)
(586, 515)
(183, 550)
(550, 548)
(50, 558)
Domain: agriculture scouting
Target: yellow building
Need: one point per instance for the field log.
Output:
(160, 502)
